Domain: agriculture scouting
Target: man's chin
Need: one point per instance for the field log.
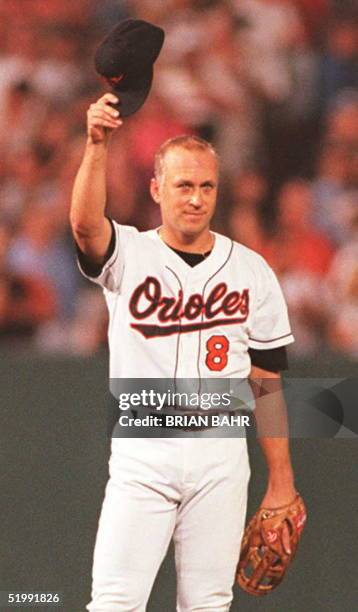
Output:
(194, 227)
(193, 232)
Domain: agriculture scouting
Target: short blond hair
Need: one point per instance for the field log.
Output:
(190, 143)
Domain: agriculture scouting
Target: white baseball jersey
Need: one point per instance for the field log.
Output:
(171, 320)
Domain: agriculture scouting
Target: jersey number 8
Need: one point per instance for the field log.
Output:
(217, 349)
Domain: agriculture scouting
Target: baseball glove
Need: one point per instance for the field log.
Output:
(265, 556)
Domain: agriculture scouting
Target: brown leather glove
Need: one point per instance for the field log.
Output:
(265, 556)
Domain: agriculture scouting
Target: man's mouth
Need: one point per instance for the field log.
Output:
(195, 215)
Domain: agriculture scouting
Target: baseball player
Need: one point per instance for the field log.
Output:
(184, 302)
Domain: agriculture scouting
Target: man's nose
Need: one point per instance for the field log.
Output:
(195, 199)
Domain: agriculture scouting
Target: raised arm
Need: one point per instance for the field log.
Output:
(91, 229)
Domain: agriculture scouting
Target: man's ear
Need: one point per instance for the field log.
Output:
(154, 190)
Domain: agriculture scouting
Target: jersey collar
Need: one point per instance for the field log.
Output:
(217, 259)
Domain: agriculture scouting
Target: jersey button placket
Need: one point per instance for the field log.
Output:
(188, 341)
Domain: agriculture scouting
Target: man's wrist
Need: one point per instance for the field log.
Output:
(280, 473)
(280, 489)
(96, 151)
(279, 481)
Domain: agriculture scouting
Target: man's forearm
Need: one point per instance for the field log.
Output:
(272, 420)
(272, 431)
(277, 455)
(89, 192)
(272, 426)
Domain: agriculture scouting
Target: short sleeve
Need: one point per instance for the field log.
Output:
(109, 276)
(270, 326)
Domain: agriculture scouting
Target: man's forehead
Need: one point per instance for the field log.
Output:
(179, 159)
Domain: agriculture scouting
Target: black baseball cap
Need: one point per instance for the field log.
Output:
(125, 59)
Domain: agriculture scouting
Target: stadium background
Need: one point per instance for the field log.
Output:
(273, 83)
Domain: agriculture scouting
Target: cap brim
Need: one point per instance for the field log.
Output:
(131, 98)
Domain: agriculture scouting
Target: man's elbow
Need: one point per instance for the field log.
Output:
(258, 373)
(84, 230)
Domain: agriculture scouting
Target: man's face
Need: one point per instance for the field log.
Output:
(187, 190)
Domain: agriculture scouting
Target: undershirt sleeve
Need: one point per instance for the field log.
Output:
(272, 360)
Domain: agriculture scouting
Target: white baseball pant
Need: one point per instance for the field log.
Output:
(191, 490)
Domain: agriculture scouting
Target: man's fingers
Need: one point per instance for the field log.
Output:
(107, 123)
(102, 118)
(97, 110)
(98, 114)
(286, 539)
(108, 98)
(103, 124)
(106, 107)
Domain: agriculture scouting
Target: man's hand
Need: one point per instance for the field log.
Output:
(269, 544)
(277, 497)
(102, 119)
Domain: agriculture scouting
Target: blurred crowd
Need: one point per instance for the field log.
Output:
(272, 83)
